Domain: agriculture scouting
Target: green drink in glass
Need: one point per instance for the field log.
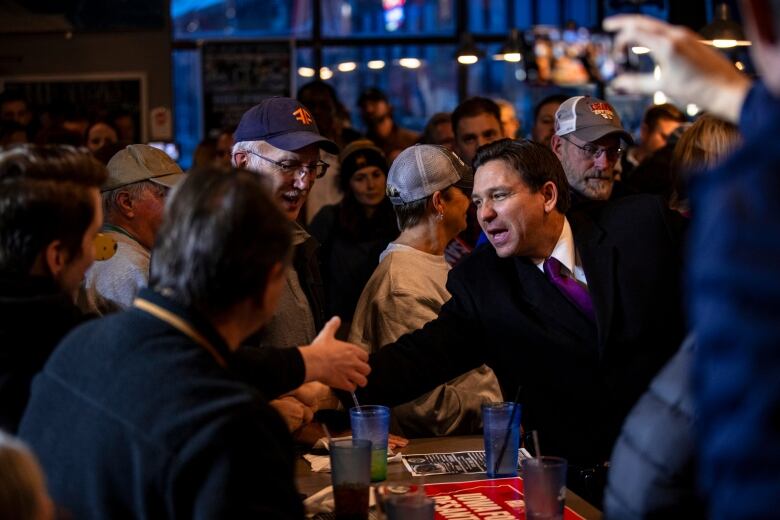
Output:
(372, 423)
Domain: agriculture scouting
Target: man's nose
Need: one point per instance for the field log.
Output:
(304, 182)
(485, 213)
(602, 162)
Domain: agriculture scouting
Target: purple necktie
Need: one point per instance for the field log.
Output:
(571, 289)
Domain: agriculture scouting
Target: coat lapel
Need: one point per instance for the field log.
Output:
(545, 299)
(598, 258)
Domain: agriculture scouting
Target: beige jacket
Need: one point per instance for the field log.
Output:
(405, 292)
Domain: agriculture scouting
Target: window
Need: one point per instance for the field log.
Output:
(198, 19)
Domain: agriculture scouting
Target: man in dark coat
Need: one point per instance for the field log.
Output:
(142, 414)
(50, 215)
(575, 312)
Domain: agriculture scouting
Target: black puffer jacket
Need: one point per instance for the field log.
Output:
(652, 473)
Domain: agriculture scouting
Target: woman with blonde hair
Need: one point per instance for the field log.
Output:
(23, 494)
(702, 147)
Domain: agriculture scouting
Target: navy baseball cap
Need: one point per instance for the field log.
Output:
(284, 123)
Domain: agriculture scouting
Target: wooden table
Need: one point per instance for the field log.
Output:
(310, 482)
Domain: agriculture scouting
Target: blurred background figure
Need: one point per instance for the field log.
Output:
(224, 148)
(99, 134)
(544, 118)
(509, 120)
(15, 108)
(205, 153)
(438, 130)
(377, 114)
(706, 144)
(328, 111)
(324, 104)
(124, 123)
(658, 124)
(355, 231)
(23, 493)
(214, 151)
(475, 122)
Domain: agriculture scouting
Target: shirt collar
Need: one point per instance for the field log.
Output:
(564, 249)
(299, 235)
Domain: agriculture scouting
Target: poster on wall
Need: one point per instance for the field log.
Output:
(87, 97)
(237, 75)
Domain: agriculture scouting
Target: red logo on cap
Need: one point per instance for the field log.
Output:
(303, 115)
(603, 109)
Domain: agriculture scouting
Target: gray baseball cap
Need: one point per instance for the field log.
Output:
(423, 169)
(141, 162)
(589, 119)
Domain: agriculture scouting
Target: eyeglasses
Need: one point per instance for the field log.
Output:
(290, 168)
(594, 152)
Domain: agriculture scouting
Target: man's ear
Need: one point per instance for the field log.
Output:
(124, 201)
(556, 144)
(550, 193)
(55, 258)
(240, 159)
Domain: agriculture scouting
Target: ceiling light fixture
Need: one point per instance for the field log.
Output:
(723, 32)
(511, 51)
(468, 53)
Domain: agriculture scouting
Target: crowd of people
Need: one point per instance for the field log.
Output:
(167, 338)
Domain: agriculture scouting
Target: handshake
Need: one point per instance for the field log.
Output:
(330, 363)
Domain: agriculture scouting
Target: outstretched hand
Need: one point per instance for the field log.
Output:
(333, 362)
(690, 72)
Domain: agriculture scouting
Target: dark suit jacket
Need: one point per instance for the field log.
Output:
(579, 379)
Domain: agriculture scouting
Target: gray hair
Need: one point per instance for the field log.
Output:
(253, 163)
(135, 190)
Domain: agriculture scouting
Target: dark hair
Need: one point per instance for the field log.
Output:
(371, 94)
(317, 85)
(555, 98)
(220, 237)
(656, 113)
(359, 154)
(436, 119)
(107, 151)
(473, 107)
(44, 196)
(535, 163)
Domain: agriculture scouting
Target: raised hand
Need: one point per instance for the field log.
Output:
(333, 362)
(690, 72)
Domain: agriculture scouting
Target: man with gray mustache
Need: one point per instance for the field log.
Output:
(279, 140)
(589, 140)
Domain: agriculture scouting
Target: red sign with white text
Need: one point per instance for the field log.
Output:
(496, 499)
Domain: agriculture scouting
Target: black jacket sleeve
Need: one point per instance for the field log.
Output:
(273, 371)
(421, 360)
